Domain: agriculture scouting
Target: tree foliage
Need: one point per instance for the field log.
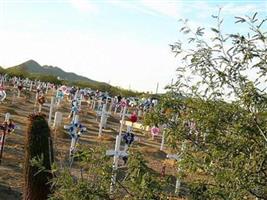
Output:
(218, 107)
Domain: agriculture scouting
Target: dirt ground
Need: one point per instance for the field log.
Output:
(11, 168)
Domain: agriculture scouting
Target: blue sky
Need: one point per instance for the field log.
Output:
(122, 42)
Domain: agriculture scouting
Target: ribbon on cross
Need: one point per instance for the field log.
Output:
(128, 138)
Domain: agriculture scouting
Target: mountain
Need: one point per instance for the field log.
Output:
(34, 67)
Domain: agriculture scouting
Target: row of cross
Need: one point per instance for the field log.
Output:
(76, 129)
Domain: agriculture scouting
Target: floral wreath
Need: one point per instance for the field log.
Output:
(41, 100)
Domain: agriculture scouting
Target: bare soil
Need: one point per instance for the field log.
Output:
(11, 168)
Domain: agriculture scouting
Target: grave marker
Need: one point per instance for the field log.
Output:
(178, 158)
(75, 131)
(103, 120)
(116, 154)
(7, 127)
(57, 119)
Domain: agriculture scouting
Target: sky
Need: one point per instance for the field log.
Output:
(121, 42)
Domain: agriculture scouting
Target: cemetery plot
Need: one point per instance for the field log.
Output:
(60, 111)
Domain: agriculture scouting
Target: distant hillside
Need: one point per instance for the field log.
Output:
(33, 70)
(32, 66)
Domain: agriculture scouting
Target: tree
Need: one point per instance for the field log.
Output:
(93, 182)
(141, 182)
(218, 108)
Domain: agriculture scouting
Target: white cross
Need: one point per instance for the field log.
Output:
(3, 137)
(2, 95)
(51, 105)
(111, 105)
(116, 153)
(163, 138)
(57, 119)
(30, 87)
(93, 103)
(177, 158)
(122, 120)
(103, 120)
(75, 135)
(59, 96)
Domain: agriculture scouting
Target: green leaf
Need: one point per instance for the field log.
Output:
(215, 30)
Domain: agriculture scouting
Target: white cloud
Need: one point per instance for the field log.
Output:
(84, 5)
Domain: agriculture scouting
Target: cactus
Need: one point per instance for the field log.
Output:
(38, 145)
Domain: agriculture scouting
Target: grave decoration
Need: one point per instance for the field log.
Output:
(133, 117)
(74, 108)
(128, 138)
(123, 104)
(99, 105)
(59, 96)
(38, 89)
(20, 87)
(75, 129)
(154, 131)
(6, 127)
(65, 90)
(40, 100)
